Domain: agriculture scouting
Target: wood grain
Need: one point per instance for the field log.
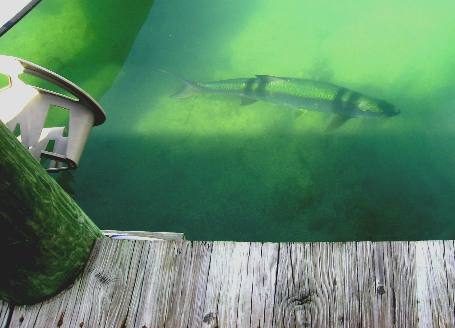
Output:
(179, 283)
(435, 283)
(4, 314)
(241, 285)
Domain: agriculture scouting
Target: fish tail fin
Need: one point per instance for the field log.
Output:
(189, 87)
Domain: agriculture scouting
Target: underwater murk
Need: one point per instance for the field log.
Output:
(216, 169)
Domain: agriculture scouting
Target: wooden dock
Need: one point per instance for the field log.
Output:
(177, 283)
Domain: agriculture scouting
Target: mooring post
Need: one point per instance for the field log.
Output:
(46, 238)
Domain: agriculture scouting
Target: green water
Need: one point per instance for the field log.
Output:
(215, 170)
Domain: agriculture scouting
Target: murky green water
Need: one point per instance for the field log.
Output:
(213, 169)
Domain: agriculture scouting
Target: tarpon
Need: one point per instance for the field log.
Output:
(300, 94)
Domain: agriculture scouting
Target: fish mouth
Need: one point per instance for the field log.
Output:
(388, 109)
(395, 112)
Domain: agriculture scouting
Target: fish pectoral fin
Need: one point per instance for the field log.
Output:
(336, 122)
(247, 101)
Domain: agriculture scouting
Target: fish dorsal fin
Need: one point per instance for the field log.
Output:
(336, 122)
(247, 101)
(269, 77)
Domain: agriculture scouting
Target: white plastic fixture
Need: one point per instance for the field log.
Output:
(24, 108)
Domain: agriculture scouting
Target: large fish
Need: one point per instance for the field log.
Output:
(301, 94)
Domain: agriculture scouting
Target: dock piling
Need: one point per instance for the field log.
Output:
(46, 237)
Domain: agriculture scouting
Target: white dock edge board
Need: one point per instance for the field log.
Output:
(178, 283)
(143, 235)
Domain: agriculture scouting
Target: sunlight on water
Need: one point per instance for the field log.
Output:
(213, 169)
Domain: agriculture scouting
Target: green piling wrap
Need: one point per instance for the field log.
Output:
(46, 238)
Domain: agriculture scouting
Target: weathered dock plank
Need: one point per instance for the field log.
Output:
(189, 289)
(4, 314)
(343, 285)
(240, 285)
(178, 283)
(100, 298)
(435, 283)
